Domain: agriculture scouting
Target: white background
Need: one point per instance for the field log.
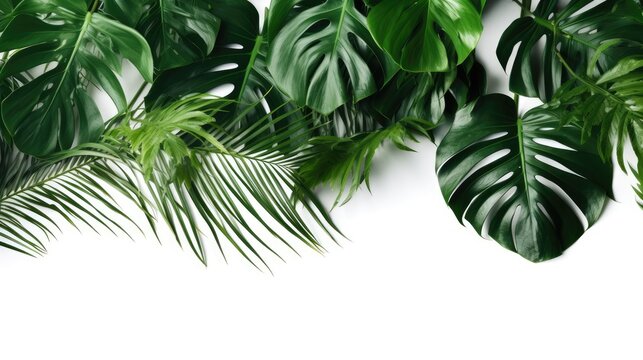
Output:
(411, 284)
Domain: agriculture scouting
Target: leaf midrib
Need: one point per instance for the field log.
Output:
(340, 24)
(523, 170)
(65, 73)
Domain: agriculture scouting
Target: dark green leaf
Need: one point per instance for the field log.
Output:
(529, 182)
(576, 33)
(238, 60)
(345, 162)
(179, 32)
(75, 46)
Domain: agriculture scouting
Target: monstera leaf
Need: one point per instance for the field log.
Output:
(126, 11)
(528, 180)
(610, 30)
(427, 96)
(179, 32)
(408, 31)
(54, 110)
(324, 55)
(238, 60)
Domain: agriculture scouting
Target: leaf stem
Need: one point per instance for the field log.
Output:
(588, 83)
(525, 8)
(136, 96)
(94, 6)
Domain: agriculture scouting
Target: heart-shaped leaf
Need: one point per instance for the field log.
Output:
(528, 181)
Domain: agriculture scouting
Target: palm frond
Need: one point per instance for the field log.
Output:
(36, 194)
(613, 103)
(345, 162)
(234, 184)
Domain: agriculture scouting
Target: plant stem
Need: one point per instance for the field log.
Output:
(136, 96)
(94, 6)
(596, 88)
(525, 8)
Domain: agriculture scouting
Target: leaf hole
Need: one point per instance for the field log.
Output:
(553, 144)
(563, 196)
(545, 212)
(223, 67)
(222, 90)
(234, 46)
(496, 207)
(556, 164)
(484, 162)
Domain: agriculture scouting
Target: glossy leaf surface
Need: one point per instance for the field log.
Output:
(531, 184)
(179, 32)
(54, 110)
(237, 62)
(409, 30)
(324, 56)
(611, 30)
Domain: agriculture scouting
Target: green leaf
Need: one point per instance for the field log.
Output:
(324, 56)
(528, 181)
(179, 32)
(6, 12)
(240, 179)
(163, 128)
(345, 162)
(76, 47)
(36, 195)
(608, 31)
(613, 103)
(237, 61)
(408, 31)
(126, 11)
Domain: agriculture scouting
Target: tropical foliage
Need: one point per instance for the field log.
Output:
(235, 124)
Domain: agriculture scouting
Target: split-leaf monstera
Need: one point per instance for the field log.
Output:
(508, 172)
(610, 31)
(324, 56)
(76, 45)
(307, 100)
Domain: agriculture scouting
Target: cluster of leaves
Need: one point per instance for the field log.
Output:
(315, 93)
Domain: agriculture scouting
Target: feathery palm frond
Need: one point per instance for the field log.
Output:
(36, 194)
(614, 103)
(236, 184)
(345, 162)
(222, 182)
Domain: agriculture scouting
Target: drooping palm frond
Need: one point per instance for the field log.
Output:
(35, 195)
(235, 184)
(613, 103)
(345, 162)
(238, 184)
